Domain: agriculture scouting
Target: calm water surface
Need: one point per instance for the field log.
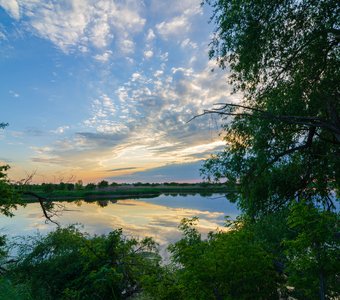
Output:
(156, 217)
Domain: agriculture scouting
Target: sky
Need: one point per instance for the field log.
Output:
(99, 89)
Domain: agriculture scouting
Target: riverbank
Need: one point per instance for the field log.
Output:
(127, 191)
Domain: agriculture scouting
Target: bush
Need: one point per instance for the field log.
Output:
(225, 266)
(69, 264)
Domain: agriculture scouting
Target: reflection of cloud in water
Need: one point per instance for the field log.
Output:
(127, 204)
(136, 217)
(34, 215)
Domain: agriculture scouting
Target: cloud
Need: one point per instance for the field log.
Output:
(104, 57)
(60, 130)
(76, 25)
(139, 105)
(12, 8)
(188, 43)
(148, 54)
(150, 35)
(56, 161)
(144, 122)
(178, 23)
(174, 172)
(36, 132)
(176, 26)
(103, 112)
(122, 169)
(127, 46)
(187, 7)
(14, 94)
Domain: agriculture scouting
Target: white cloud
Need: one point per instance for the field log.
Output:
(176, 26)
(61, 129)
(77, 24)
(12, 8)
(103, 57)
(144, 122)
(100, 33)
(158, 73)
(108, 104)
(164, 56)
(127, 46)
(188, 43)
(148, 54)
(136, 76)
(150, 35)
(103, 111)
(189, 7)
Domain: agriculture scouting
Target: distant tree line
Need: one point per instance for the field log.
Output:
(103, 184)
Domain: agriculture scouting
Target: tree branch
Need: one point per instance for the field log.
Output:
(258, 113)
(42, 205)
(306, 145)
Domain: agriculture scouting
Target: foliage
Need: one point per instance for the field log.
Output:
(313, 255)
(10, 291)
(69, 264)
(78, 185)
(283, 138)
(228, 265)
(8, 196)
(90, 186)
(103, 184)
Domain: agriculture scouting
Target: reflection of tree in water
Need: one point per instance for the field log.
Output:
(78, 202)
(102, 203)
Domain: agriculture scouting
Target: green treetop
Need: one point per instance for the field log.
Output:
(283, 137)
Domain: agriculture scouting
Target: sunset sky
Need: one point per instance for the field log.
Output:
(104, 89)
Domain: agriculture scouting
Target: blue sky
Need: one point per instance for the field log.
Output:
(103, 89)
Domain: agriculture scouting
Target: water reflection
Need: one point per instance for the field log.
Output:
(156, 217)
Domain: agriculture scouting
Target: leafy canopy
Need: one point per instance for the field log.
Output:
(283, 138)
(8, 197)
(70, 264)
(228, 265)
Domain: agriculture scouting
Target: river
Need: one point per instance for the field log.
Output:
(156, 217)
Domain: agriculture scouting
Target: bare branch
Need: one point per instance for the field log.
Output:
(226, 109)
(48, 213)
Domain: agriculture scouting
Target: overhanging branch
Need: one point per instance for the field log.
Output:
(230, 109)
(47, 212)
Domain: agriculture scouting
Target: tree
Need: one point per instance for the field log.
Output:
(78, 185)
(313, 252)
(103, 184)
(283, 138)
(8, 197)
(90, 186)
(69, 264)
(228, 265)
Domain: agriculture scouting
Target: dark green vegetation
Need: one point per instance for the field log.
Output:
(239, 264)
(282, 151)
(114, 190)
(68, 264)
(283, 138)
